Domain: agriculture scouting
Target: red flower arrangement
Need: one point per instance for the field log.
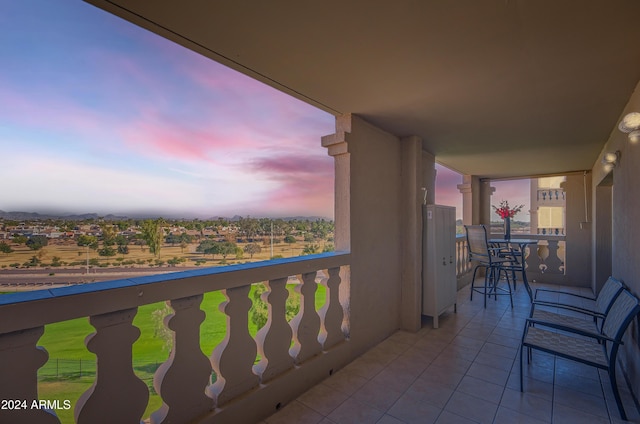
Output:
(505, 211)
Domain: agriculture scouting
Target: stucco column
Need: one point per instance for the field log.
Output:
(338, 147)
(533, 212)
(368, 217)
(470, 189)
(412, 196)
(486, 191)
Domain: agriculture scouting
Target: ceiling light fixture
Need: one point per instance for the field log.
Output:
(630, 124)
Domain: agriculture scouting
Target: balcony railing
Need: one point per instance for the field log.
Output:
(184, 380)
(545, 262)
(463, 265)
(550, 195)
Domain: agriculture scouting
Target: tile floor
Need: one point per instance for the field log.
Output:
(467, 371)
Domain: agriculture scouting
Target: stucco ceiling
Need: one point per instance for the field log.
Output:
(494, 88)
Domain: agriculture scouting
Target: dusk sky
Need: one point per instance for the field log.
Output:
(100, 116)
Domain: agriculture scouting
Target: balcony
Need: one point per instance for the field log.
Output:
(465, 371)
(494, 98)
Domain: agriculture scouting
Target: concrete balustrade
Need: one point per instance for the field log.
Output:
(463, 265)
(183, 381)
(545, 262)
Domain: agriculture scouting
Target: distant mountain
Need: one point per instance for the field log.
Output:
(21, 216)
(24, 216)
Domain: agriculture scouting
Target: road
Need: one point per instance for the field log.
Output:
(34, 279)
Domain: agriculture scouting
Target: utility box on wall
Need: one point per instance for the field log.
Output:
(439, 287)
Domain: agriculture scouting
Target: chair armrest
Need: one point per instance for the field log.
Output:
(563, 293)
(567, 308)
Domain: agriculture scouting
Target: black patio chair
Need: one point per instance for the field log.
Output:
(489, 259)
(596, 350)
(580, 315)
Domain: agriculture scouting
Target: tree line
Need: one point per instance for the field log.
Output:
(153, 233)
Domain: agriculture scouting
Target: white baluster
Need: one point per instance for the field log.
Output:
(117, 394)
(331, 313)
(233, 358)
(543, 253)
(306, 325)
(274, 338)
(183, 379)
(20, 360)
(533, 260)
(553, 261)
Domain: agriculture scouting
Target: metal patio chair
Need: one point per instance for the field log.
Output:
(580, 318)
(489, 259)
(596, 350)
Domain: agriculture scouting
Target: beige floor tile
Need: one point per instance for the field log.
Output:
(481, 389)
(594, 405)
(489, 374)
(354, 411)
(412, 412)
(377, 395)
(527, 404)
(579, 383)
(446, 378)
(388, 419)
(367, 368)
(531, 386)
(459, 352)
(566, 415)
(295, 413)
(450, 418)
(451, 362)
(345, 381)
(500, 350)
(576, 368)
(471, 407)
(494, 361)
(508, 416)
(395, 380)
(323, 399)
(427, 391)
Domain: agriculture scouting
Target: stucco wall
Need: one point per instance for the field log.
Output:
(375, 233)
(625, 228)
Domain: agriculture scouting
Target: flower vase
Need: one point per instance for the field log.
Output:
(507, 228)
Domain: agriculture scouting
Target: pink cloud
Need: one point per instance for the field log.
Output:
(306, 183)
(285, 167)
(155, 134)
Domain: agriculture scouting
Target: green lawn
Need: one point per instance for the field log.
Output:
(71, 367)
